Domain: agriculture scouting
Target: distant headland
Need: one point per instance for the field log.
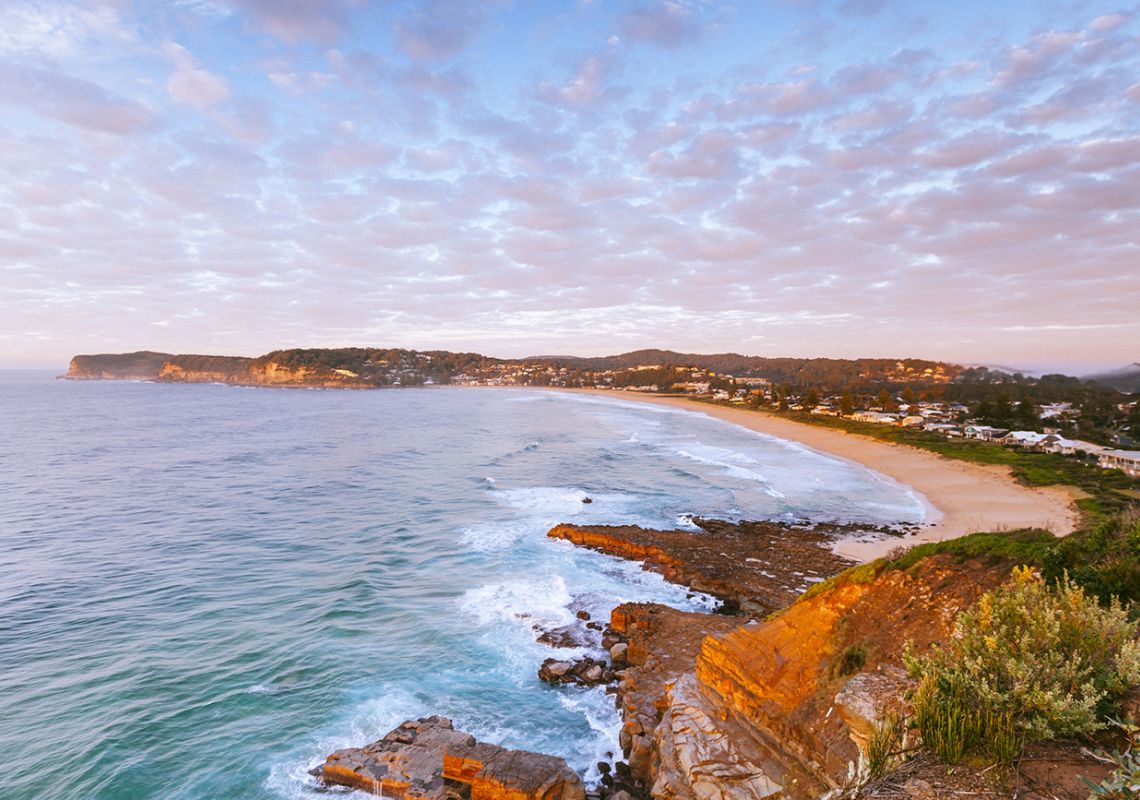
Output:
(645, 370)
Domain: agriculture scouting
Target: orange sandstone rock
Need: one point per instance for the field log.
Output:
(429, 760)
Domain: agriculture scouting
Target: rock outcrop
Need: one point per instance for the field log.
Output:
(752, 567)
(428, 759)
(263, 371)
(805, 687)
(144, 365)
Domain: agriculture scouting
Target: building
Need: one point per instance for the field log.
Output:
(1072, 447)
(1029, 439)
(984, 432)
(1126, 460)
(877, 417)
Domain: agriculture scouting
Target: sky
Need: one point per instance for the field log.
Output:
(957, 181)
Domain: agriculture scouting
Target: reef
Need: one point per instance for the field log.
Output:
(753, 568)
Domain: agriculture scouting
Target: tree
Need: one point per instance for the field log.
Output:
(811, 399)
(1026, 415)
(908, 396)
(846, 403)
(783, 397)
(1003, 411)
(885, 400)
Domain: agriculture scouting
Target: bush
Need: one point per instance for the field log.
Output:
(1027, 662)
(1123, 783)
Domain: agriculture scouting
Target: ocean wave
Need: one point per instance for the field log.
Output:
(543, 601)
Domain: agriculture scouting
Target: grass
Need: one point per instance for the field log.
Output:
(860, 573)
(1027, 546)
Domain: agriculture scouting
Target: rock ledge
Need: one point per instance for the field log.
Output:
(427, 759)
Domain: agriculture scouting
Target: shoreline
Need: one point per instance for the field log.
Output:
(966, 497)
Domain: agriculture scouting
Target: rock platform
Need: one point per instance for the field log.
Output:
(427, 759)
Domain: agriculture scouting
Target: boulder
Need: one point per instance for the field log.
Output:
(427, 759)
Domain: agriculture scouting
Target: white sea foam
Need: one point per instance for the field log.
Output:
(542, 600)
(730, 462)
(543, 500)
(367, 722)
(605, 723)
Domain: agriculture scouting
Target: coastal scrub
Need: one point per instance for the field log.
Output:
(1029, 662)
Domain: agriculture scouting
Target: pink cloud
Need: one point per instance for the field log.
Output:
(72, 100)
(190, 84)
(667, 24)
(710, 155)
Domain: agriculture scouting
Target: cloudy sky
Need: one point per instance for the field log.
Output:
(780, 177)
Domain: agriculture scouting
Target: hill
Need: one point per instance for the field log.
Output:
(1125, 379)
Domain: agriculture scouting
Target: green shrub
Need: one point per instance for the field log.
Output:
(887, 740)
(849, 661)
(1027, 662)
(1123, 783)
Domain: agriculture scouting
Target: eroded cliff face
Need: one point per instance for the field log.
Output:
(270, 373)
(150, 366)
(252, 372)
(141, 366)
(794, 698)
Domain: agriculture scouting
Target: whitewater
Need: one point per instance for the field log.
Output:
(207, 589)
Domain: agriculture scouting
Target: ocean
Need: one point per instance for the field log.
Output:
(206, 589)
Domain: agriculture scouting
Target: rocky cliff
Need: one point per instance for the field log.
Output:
(785, 706)
(164, 367)
(141, 366)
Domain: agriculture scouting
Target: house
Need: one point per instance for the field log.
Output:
(1126, 460)
(1071, 447)
(912, 421)
(945, 428)
(984, 432)
(1028, 439)
(876, 416)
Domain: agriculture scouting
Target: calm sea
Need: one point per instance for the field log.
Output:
(206, 589)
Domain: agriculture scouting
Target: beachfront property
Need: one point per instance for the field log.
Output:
(1126, 460)
(985, 433)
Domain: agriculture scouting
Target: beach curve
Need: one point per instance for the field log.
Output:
(966, 497)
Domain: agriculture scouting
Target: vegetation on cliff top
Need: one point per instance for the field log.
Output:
(1029, 662)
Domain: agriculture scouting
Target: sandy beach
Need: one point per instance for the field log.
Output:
(961, 497)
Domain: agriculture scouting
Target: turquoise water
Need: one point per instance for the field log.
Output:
(206, 589)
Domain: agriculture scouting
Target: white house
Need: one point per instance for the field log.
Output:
(1068, 447)
(1127, 460)
(1026, 438)
(984, 432)
(876, 416)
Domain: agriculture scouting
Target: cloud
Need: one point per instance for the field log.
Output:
(666, 24)
(190, 84)
(77, 102)
(293, 21)
(584, 89)
(56, 30)
(438, 30)
(491, 179)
